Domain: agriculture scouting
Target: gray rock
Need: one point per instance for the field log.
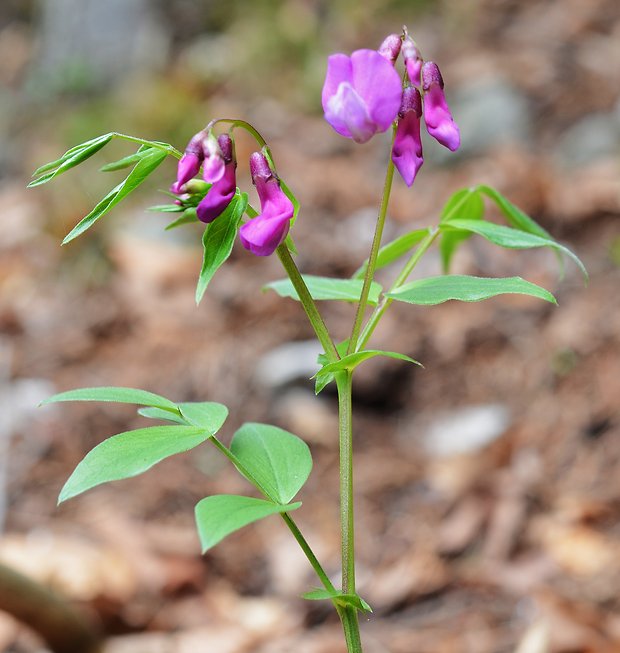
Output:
(466, 430)
(488, 112)
(292, 361)
(594, 137)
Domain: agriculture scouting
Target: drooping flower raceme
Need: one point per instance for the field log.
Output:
(202, 149)
(407, 149)
(361, 95)
(266, 231)
(439, 121)
(222, 191)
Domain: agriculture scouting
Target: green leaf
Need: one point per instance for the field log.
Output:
(277, 461)
(515, 216)
(189, 216)
(351, 361)
(69, 159)
(129, 454)
(465, 203)
(116, 394)
(326, 288)
(321, 380)
(126, 161)
(394, 250)
(218, 240)
(339, 598)
(436, 290)
(223, 514)
(164, 415)
(166, 208)
(513, 238)
(141, 171)
(206, 414)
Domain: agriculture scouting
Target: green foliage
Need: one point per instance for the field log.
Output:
(218, 240)
(115, 394)
(326, 288)
(339, 599)
(349, 362)
(463, 216)
(133, 452)
(436, 290)
(223, 514)
(274, 460)
(394, 250)
(129, 454)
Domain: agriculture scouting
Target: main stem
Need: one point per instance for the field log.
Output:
(348, 614)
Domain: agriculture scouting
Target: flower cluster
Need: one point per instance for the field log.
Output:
(363, 95)
(269, 228)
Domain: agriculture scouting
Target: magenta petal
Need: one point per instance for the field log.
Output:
(407, 150)
(219, 196)
(338, 71)
(347, 113)
(378, 84)
(188, 168)
(263, 234)
(213, 168)
(414, 66)
(439, 121)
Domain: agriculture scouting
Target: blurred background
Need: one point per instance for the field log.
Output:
(488, 484)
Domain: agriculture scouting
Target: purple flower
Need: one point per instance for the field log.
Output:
(220, 194)
(413, 60)
(390, 48)
(202, 147)
(439, 121)
(407, 149)
(361, 94)
(266, 231)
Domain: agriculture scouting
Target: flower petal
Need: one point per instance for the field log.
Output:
(378, 84)
(347, 113)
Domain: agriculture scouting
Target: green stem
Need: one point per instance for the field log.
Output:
(348, 615)
(374, 251)
(307, 302)
(288, 520)
(234, 122)
(385, 302)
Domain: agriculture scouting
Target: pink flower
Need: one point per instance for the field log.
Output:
(413, 60)
(202, 148)
(361, 94)
(222, 191)
(407, 149)
(390, 48)
(439, 121)
(266, 231)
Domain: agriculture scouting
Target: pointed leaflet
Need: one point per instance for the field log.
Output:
(513, 238)
(206, 414)
(326, 288)
(218, 240)
(126, 161)
(223, 514)
(465, 203)
(164, 415)
(141, 171)
(436, 290)
(394, 250)
(116, 394)
(189, 216)
(69, 159)
(276, 461)
(351, 361)
(129, 454)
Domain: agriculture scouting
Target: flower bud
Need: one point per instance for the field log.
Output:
(407, 149)
(390, 48)
(413, 60)
(439, 121)
(223, 190)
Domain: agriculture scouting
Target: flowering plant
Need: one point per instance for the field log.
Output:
(363, 95)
